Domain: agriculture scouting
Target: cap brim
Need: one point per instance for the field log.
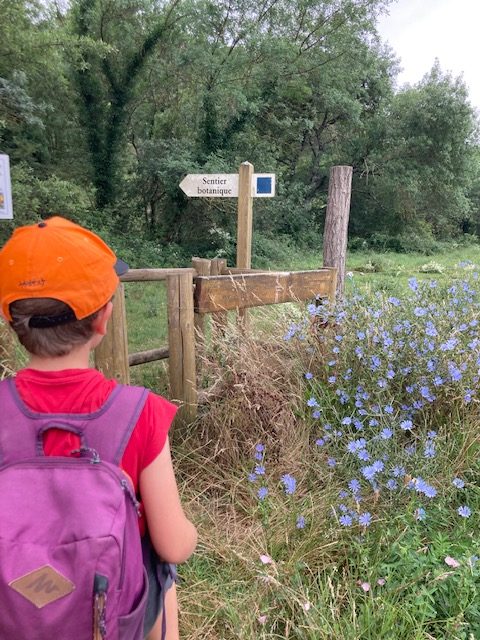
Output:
(121, 267)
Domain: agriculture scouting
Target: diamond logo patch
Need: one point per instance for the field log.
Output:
(42, 586)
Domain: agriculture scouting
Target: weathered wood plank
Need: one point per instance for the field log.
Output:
(223, 293)
(142, 357)
(145, 275)
(219, 320)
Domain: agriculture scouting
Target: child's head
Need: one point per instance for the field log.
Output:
(55, 276)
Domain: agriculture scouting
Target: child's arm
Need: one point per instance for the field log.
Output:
(173, 536)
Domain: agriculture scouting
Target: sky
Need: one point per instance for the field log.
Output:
(421, 30)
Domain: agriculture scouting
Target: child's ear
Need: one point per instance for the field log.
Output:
(101, 321)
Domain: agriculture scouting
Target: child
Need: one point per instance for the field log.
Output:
(57, 281)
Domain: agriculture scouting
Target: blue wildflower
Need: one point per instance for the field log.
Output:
(464, 511)
(311, 402)
(354, 485)
(300, 522)
(262, 493)
(259, 470)
(363, 455)
(420, 514)
(289, 483)
(406, 425)
(386, 433)
(413, 284)
(429, 451)
(365, 519)
(309, 375)
(420, 311)
(378, 466)
(252, 477)
(449, 344)
(458, 483)
(346, 520)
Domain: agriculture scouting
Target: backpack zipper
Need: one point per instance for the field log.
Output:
(100, 588)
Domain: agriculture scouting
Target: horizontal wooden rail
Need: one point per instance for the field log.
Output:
(224, 293)
(142, 357)
(235, 271)
(145, 275)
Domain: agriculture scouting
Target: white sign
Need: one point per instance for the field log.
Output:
(213, 185)
(6, 208)
(225, 185)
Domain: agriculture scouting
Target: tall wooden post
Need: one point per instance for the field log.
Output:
(336, 223)
(111, 356)
(245, 223)
(181, 339)
(245, 216)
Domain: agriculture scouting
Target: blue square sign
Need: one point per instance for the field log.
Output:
(264, 185)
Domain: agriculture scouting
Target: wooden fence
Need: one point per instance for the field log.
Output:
(209, 288)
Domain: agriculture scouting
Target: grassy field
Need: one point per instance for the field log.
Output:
(289, 547)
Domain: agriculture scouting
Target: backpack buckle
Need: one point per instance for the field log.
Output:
(85, 452)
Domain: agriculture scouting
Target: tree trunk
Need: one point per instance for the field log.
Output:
(336, 223)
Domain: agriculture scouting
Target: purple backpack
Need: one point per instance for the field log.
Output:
(70, 553)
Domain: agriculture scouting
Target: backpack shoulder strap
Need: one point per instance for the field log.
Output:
(107, 430)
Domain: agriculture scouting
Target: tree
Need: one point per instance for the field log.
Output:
(421, 171)
(106, 83)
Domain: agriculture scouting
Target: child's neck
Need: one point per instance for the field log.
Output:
(77, 359)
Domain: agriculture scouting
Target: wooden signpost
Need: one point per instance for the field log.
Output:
(244, 185)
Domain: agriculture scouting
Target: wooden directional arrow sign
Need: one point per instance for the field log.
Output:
(225, 185)
(213, 185)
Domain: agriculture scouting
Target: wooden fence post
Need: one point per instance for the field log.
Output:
(111, 355)
(181, 339)
(220, 319)
(202, 266)
(336, 223)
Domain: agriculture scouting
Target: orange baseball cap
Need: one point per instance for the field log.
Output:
(58, 259)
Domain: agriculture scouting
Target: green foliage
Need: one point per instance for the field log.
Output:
(122, 99)
(35, 198)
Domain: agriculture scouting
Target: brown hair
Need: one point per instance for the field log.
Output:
(49, 341)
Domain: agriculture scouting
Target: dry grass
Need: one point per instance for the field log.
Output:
(226, 588)
(7, 351)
